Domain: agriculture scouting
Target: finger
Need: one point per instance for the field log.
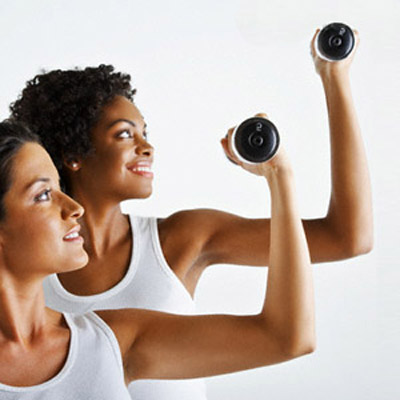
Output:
(228, 138)
(261, 115)
(229, 132)
(229, 147)
(357, 36)
(312, 44)
(233, 162)
(229, 156)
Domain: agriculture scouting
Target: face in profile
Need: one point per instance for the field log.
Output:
(39, 234)
(120, 166)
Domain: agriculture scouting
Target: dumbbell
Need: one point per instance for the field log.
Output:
(335, 42)
(255, 140)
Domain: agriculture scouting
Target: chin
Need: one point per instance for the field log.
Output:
(139, 194)
(76, 263)
(146, 195)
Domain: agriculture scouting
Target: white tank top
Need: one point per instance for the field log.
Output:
(93, 369)
(150, 284)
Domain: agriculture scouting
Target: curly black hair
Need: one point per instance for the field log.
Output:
(62, 107)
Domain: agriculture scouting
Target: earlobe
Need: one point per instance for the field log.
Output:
(72, 164)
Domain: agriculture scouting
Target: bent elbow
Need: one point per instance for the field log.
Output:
(300, 347)
(364, 248)
(360, 246)
(303, 350)
(308, 348)
(351, 238)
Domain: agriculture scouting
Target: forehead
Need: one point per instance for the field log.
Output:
(30, 162)
(120, 108)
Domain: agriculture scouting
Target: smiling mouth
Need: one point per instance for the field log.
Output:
(142, 170)
(73, 236)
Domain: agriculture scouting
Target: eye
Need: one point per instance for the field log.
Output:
(44, 196)
(125, 134)
(146, 136)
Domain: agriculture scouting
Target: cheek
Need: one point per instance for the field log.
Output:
(41, 235)
(40, 247)
(112, 162)
(33, 245)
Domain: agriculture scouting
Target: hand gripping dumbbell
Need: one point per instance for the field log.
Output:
(335, 42)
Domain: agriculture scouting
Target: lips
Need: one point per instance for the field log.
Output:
(73, 235)
(141, 168)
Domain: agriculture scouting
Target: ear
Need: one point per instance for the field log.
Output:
(73, 164)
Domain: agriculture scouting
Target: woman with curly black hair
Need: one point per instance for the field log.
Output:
(97, 138)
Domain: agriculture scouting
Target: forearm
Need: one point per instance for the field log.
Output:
(169, 346)
(289, 303)
(350, 208)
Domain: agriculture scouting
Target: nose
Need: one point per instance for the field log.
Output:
(71, 209)
(144, 148)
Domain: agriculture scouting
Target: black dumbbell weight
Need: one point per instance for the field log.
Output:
(335, 41)
(255, 140)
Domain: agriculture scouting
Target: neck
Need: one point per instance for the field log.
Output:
(103, 224)
(22, 308)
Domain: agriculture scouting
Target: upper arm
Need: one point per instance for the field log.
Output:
(204, 237)
(156, 345)
(224, 238)
(237, 240)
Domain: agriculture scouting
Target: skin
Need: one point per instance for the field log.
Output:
(153, 344)
(118, 144)
(31, 247)
(192, 240)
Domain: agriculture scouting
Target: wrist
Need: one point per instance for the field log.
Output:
(282, 190)
(335, 76)
(277, 173)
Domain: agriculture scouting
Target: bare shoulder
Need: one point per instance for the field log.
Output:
(111, 317)
(184, 238)
(115, 319)
(124, 324)
(192, 229)
(201, 222)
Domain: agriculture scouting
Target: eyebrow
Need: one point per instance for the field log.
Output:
(128, 121)
(28, 186)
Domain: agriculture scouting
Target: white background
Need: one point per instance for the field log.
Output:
(201, 67)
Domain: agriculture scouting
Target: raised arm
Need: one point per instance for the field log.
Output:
(157, 345)
(345, 231)
(350, 208)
